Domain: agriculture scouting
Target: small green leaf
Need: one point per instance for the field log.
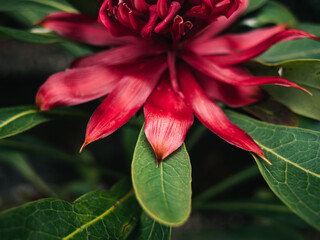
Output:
(15, 120)
(306, 73)
(150, 229)
(163, 192)
(96, 215)
(297, 49)
(271, 13)
(294, 175)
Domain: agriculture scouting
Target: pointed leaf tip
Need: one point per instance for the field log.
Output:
(86, 142)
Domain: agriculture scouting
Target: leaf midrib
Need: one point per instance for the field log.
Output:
(287, 160)
(11, 119)
(99, 217)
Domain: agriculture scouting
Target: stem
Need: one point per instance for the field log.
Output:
(232, 181)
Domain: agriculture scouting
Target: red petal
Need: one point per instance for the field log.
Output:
(249, 53)
(129, 95)
(120, 55)
(76, 86)
(230, 43)
(234, 96)
(212, 116)
(79, 27)
(167, 119)
(221, 24)
(233, 75)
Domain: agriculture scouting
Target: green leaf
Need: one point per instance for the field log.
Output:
(297, 49)
(150, 229)
(271, 13)
(27, 12)
(163, 192)
(28, 36)
(14, 120)
(16, 5)
(254, 5)
(96, 215)
(306, 73)
(294, 175)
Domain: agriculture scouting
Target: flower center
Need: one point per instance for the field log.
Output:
(166, 18)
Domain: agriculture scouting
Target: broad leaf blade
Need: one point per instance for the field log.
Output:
(96, 215)
(294, 175)
(163, 192)
(303, 72)
(150, 229)
(297, 49)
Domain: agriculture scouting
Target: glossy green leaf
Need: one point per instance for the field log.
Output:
(297, 49)
(28, 36)
(294, 175)
(271, 13)
(96, 215)
(306, 73)
(150, 229)
(163, 192)
(14, 120)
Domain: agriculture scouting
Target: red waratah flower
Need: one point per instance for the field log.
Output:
(169, 56)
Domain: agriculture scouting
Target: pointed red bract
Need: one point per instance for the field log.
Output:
(212, 116)
(129, 95)
(76, 86)
(253, 51)
(230, 43)
(231, 95)
(79, 27)
(233, 75)
(167, 119)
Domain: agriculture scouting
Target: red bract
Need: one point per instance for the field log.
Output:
(168, 56)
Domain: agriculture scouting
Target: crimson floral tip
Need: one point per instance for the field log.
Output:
(169, 58)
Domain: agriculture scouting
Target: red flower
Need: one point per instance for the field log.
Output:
(168, 56)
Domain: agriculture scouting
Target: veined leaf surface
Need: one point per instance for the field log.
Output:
(96, 215)
(163, 192)
(294, 175)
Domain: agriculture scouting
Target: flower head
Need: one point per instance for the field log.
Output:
(168, 57)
